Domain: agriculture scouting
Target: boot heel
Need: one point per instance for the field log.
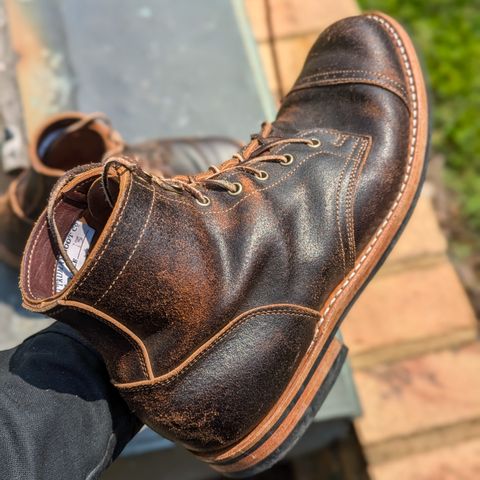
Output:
(286, 422)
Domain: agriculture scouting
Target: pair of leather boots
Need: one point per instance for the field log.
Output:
(215, 298)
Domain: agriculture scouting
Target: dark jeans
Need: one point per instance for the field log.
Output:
(60, 417)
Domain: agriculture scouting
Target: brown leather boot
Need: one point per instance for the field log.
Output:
(214, 300)
(65, 141)
(72, 139)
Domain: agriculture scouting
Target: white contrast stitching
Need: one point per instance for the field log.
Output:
(210, 211)
(406, 175)
(268, 187)
(336, 72)
(157, 381)
(338, 190)
(354, 174)
(137, 243)
(107, 243)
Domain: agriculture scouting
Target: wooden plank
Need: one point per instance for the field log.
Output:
(431, 393)
(454, 462)
(297, 17)
(409, 312)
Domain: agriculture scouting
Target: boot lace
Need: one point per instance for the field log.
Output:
(246, 161)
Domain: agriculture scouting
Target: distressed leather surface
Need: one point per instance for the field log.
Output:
(189, 270)
(176, 274)
(255, 359)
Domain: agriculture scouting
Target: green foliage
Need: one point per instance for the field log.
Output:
(447, 35)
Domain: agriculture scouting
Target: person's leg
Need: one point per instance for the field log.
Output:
(60, 417)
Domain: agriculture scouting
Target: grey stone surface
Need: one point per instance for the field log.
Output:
(163, 68)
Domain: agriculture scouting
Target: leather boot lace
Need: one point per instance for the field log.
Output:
(246, 160)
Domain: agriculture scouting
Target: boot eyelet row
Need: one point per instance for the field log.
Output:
(288, 160)
(314, 143)
(262, 175)
(205, 203)
(238, 189)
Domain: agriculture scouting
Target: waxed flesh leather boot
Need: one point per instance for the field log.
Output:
(215, 299)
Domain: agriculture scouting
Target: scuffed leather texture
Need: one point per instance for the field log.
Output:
(255, 359)
(187, 285)
(175, 273)
(122, 355)
(357, 48)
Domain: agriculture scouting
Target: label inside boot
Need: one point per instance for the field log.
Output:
(77, 245)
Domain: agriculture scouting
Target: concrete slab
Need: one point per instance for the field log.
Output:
(164, 70)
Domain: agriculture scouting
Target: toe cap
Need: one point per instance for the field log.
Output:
(356, 50)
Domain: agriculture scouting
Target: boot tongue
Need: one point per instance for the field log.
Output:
(277, 132)
(98, 209)
(283, 129)
(86, 230)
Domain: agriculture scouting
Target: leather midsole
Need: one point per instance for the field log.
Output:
(289, 419)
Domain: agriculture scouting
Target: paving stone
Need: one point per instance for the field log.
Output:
(422, 237)
(293, 17)
(418, 395)
(417, 307)
(455, 462)
(291, 54)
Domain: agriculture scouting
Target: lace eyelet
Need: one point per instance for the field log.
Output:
(288, 160)
(314, 143)
(262, 175)
(206, 201)
(238, 191)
